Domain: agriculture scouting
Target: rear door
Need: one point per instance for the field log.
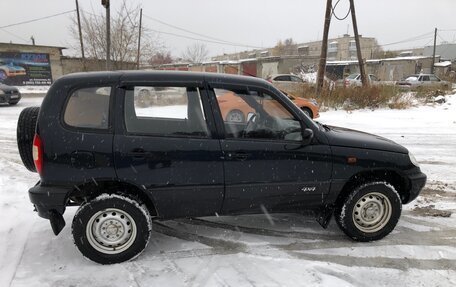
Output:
(266, 165)
(163, 144)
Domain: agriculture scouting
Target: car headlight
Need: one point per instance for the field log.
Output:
(413, 160)
(313, 101)
(2, 92)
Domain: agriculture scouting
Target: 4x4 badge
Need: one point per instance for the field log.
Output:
(309, 188)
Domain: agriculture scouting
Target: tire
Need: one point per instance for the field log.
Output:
(370, 212)
(111, 229)
(235, 116)
(26, 125)
(13, 103)
(308, 112)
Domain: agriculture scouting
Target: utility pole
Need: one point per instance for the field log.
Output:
(80, 36)
(324, 48)
(358, 45)
(433, 52)
(139, 39)
(105, 3)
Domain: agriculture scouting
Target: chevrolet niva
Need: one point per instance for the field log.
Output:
(97, 143)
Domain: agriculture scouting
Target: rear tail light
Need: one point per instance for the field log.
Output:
(37, 151)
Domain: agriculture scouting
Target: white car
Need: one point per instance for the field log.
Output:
(355, 80)
(422, 80)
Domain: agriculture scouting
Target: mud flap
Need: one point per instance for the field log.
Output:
(324, 215)
(57, 221)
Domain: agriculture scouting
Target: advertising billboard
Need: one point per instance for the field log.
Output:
(25, 69)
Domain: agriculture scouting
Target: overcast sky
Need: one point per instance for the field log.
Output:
(248, 22)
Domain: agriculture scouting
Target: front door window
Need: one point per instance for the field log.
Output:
(256, 115)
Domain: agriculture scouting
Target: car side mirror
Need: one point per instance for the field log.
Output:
(307, 136)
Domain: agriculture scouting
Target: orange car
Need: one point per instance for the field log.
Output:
(235, 109)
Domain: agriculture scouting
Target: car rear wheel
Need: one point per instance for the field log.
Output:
(26, 125)
(308, 112)
(370, 212)
(111, 229)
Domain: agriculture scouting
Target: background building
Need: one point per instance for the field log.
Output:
(342, 48)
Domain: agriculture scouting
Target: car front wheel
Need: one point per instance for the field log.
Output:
(370, 212)
(111, 229)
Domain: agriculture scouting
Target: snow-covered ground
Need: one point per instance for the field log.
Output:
(249, 250)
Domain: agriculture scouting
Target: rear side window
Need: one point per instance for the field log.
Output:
(165, 111)
(282, 79)
(88, 108)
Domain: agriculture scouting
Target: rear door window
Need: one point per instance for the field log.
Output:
(176, 111)
(88, 108)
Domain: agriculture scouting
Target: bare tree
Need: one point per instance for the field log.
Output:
(196, 53)
(124, 37)
(283, 47)
(161, 58)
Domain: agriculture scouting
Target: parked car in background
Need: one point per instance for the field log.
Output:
(422, 80)
(9, 95)
(284, 78)
(234, 109)
(354, 80)
(286, 82)
(308, 106)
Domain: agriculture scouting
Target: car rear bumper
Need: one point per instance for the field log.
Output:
(47, 198)
(50, 203)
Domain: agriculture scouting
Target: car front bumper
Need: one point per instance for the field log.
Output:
(417, 182)
(8, 98)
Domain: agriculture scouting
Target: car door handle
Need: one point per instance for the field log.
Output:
(238, 156)
(137, 153)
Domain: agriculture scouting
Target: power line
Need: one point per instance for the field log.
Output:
(201, 35)
(37, 19)
(12, 34)
(416, 38)
(334, 13)
(208, 40)
(196, 39)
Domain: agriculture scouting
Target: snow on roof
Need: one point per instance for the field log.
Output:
(443, 64)
(248, 60)
(349, 62)
(230, 62)
(407, 58)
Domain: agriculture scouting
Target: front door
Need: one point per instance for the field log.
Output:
(163, 144)
(267, 166)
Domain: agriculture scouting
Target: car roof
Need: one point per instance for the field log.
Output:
(156, 75)
(276, 75)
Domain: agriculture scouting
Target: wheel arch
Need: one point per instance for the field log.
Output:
(309, 110)
(89, 190)
(398, 181)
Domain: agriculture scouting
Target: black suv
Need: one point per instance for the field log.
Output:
(128, 147)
